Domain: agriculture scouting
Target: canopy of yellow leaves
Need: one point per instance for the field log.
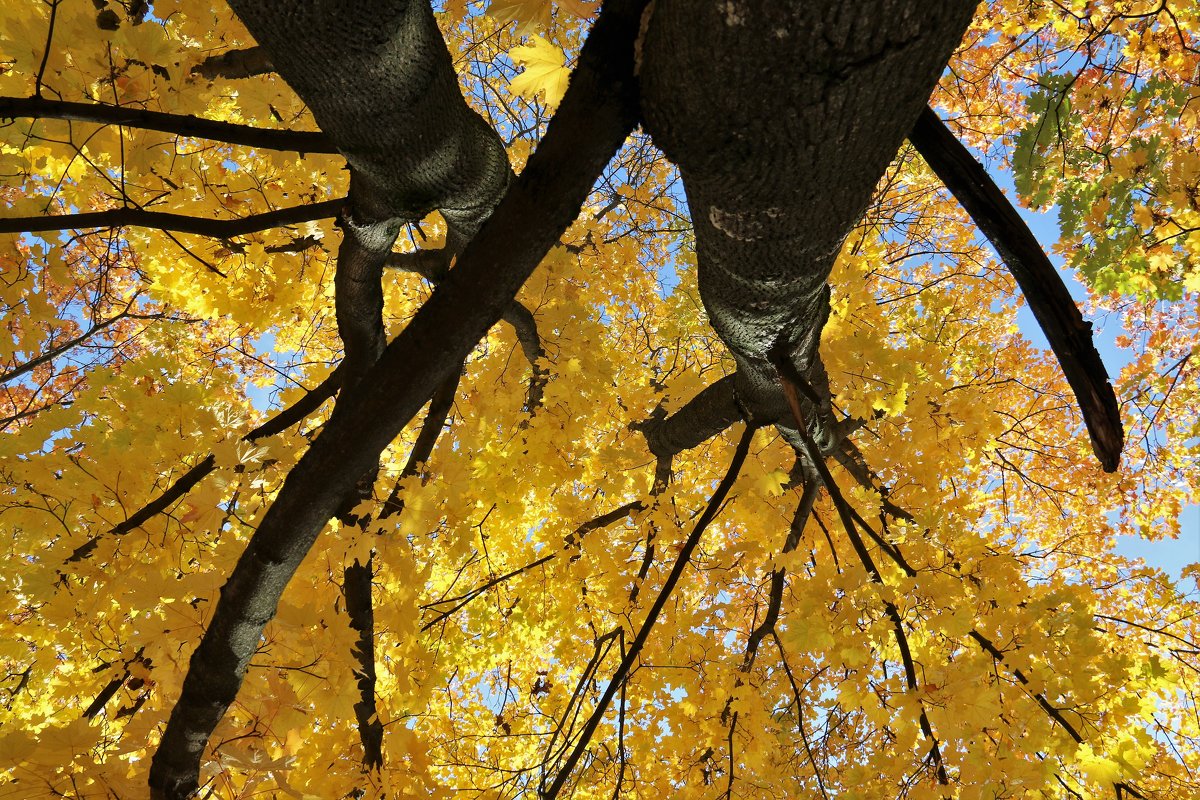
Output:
(129, 355)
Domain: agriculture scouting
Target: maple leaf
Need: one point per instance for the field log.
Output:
(544, 72)
(530, 15)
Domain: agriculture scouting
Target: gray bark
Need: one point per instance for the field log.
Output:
(782, 117)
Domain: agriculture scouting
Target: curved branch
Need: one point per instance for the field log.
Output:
(177, 124)
(180, 223)
(1070, 336)
(357, 577)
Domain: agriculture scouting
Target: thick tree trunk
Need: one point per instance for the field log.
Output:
(379, 80)
(782, 117)
(597, 113)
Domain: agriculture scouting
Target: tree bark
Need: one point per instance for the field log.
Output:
(782, 117)
(379, 80)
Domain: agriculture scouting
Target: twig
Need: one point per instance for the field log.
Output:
(137, 217)
(185, 483)
(639, 641)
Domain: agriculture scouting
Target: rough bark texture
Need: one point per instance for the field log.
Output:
(380, 83)
(379, 80)
(597, 113)
(782, 117)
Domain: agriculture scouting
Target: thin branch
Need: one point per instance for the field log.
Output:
(55, 352)
(185, 483)
(1070, 336)
(804, 509)
(635, 648)
(570, 541)
(435, 419)
(790, 379)
(176, 124)
(463, 599)
(181, 223)
(357, 577)
(433, 265)
(37, 83)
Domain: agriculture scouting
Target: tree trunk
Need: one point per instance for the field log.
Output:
(782, 117)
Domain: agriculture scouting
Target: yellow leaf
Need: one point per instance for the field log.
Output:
(773, 482)
(530, 15)
(544, 71)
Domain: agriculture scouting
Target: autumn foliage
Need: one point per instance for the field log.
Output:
(552, 596)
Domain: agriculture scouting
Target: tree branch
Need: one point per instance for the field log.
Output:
(180, 223)
(357, 579)
(635, 648)
(432, 265)
(1070, 336)
(55, 352)
(244, 63)
(176, 124)
(597, 113)
(186, 482)
(711, 411)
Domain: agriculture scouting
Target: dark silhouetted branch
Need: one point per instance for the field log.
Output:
(433, 266)
(711, 411)
(635, 648)
(186, 482)
(244, 63)
(180, 223)
(790, 379)
(357, 577)
(55, 352)
(177, 124)
(596, 115)
(1070, 336)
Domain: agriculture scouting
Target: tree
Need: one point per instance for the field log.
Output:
(757, 491)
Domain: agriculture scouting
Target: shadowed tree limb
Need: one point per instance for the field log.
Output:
(711, 411)
(357, 577)
(244, 63)
(186, 482)
(850, 517)
(596, 114)
(180, 223)
(804, 509)
(177, 124)
(1070, 336)
(432, 265)
(790, 379)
